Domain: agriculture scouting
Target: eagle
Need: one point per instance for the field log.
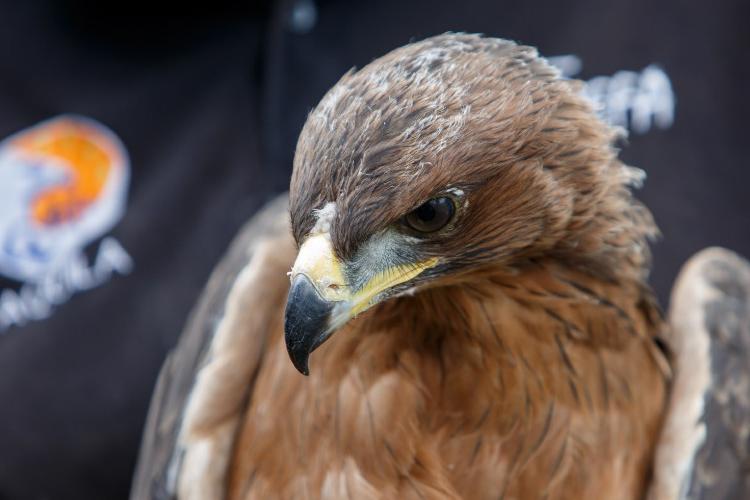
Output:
(452, 302)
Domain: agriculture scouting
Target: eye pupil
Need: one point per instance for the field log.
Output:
(426, 212)
(431, 216)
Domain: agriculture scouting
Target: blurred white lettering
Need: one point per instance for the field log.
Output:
(36, 301)
(633, 100)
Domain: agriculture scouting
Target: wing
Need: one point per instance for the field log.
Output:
(704, 451)
(205, 382)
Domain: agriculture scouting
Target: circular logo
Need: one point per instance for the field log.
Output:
(63, 184)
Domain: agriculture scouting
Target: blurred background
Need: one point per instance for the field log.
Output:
(193, 112)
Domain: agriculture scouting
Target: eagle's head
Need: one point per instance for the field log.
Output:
(442, 158)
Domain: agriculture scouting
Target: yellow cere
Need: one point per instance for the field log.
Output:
(317, 261)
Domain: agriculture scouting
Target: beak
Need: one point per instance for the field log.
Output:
(321, 299)
(305, 321)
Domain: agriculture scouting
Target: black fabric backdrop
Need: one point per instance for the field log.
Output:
(209, 102)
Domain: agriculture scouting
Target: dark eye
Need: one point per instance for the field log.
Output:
(432, 215)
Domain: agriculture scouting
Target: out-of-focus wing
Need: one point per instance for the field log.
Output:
(704, 451)
(206, 381)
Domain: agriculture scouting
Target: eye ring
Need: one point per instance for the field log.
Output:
(432, 215)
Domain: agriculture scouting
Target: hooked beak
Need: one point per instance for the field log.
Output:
(305, 321)
(321, 299)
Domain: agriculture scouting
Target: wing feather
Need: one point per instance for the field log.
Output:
(704, 451)
(204, 381)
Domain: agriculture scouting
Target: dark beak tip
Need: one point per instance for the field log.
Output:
(304, 370)
(305, 322)
(300, 358)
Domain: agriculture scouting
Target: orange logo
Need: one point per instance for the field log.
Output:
(77, 147)
(63, 184)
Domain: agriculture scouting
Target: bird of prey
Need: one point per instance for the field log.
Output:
(452, 303)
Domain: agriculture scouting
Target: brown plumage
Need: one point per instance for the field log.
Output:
(514, 352)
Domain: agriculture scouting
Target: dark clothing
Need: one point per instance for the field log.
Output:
(209, 106)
